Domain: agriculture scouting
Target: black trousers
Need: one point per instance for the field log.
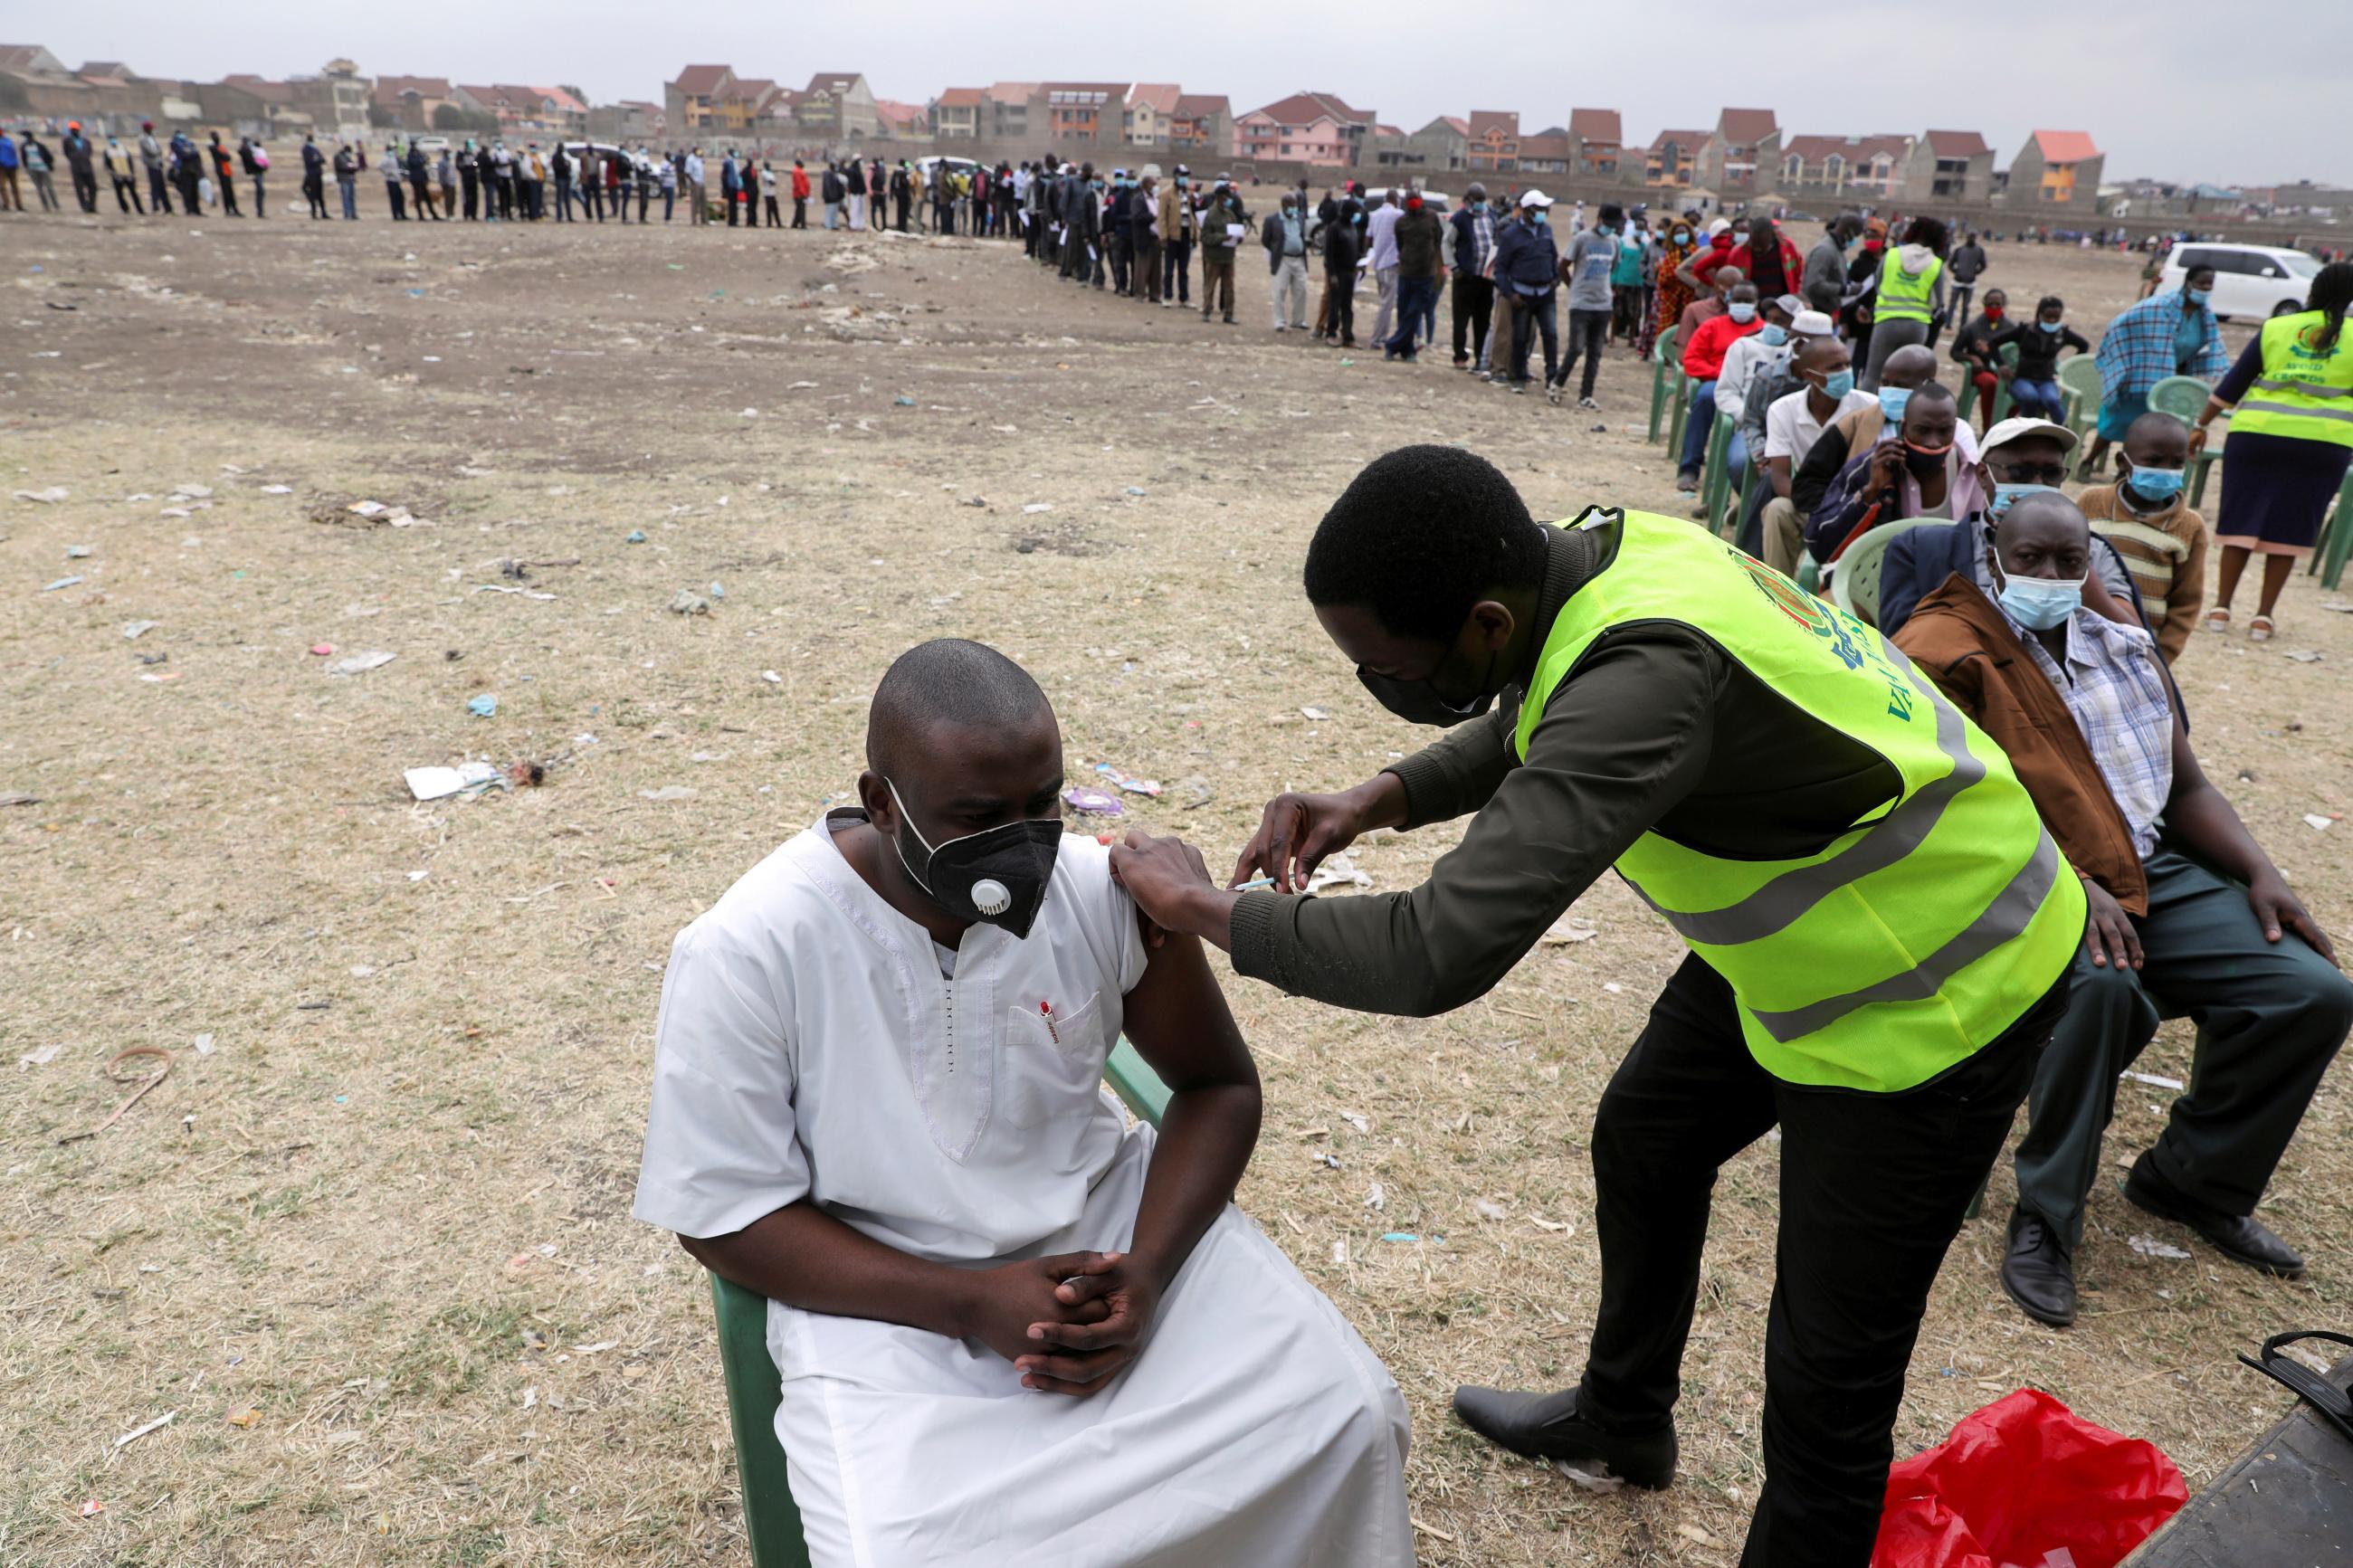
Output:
(1474, 310)
(1587, 330)
(126, 195)
(155, 196)
(469, 187)
(800, 212)
(1872, 1190)
(314, 192)
(1176, 271)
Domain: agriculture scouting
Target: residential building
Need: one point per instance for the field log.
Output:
(1546, 152)
(1843, 168)
(1495, 140)
(1949, 167)
(903, 122)
(2056, 171)
(1306, 128)
(523, 110)
(837, 106)
(1443, 144)
(1393, 149)
(1675, 157)
(1080, 111)
(1203, 123)
(957, 114)
(692, 102)
(408, 101)
(30, 60)
(1006, 109)
(739, 109)
(1151, 113)
(628, 122)
(1743, 154)
(1596, 144)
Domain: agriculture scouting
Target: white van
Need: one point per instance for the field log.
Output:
(2251, 280)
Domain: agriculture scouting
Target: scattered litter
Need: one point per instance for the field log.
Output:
(1491, 1211)
(1612, 987)
(666, 792)
(2154, 1079)
(155, 1426)
(2150, 1247)
(92, 1509)
(1131, 786)
(1554, 1225)
(278, 490)
(1400, 1235)
(1564, 932)
(1339, 1252)
(482, 705)
(751, 414)
(322, 649)
(717, 592)
(138, 629)
(2302, 656)
(1315, 713)
(420, 874)
(1337, 871)
(636, 536)
(1136, 490)
(77, 551)
(772, 677)
(203, 1045)
(1325, 1158)
(18, 797)
(245, 1417)
(1376, 1197)
(1038, 506)
(1695, 1534)
(1586, 1480)
(367, 508)
(903, 402)
(1358, 1120)
(360, 663)
(687, 602)
(60, 582)
(1092, 800)
(40, 1057)
(54, 494)
(470, 779)
(2315, 820)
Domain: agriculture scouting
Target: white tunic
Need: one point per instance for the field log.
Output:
(809, 1048)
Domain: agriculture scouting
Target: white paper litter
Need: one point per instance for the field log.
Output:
(54, 494)
(155, 1426)
(2150, 1247)
(203, 1044)
(435, 783)
(40, 1057)
(1564, 932)
(2154, 1079)
(1376, 1197)
(666, 792)
(2315, 820)
(360, 663)
(138, 629)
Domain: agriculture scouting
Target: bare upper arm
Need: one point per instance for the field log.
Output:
(1179, 1021)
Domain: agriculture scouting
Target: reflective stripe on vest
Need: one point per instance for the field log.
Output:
(1913, 937)
(1904, 297)
(2302, 392)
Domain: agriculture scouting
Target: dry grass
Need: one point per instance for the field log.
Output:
(408, 1156)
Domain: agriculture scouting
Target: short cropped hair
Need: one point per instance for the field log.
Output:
(1422, 534)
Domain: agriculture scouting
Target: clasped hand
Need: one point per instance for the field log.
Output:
(1068, 1323)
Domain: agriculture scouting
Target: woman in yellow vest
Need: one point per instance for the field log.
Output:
(1881, 933)
(1908, 297)
(2288, 444)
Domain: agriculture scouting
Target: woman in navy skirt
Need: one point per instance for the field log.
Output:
(2289, 444)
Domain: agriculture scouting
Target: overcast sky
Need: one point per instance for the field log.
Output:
(2252, 92)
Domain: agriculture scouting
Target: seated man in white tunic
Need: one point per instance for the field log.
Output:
(1009, 1328)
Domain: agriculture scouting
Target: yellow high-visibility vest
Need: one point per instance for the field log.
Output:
(2303, 391)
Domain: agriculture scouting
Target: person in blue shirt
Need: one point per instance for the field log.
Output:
(1527, 268)
(10, 198)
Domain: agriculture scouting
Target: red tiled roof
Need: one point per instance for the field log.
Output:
(833, 81)
(562, 100)
(1690, 141)
(1011, 92)
(1200, 105)
(960, 98)
(754, 88)
(1957, 143)
(1389, 133)
(1596, 124)
(1496, 121)
(698, 82)
(894, 112)
(1854, 149)
(1744, 127)
(1161, 96)
(1306, 108)
(1553, 143)
(2065, 146)
(1460, 126)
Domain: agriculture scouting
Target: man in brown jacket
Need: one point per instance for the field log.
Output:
(2070, 685)
(1177, 236)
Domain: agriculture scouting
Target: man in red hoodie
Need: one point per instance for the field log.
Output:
(1704, 361)
(1768, 259)
(801, 195)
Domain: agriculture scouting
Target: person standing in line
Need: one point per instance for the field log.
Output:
(1219, 223)
(81, 163)
(1178, 226)
(768, 194)
(1380, 240)
(469, 180)
(800, 194)
(1285, 235)
(1420, 239)
(903, 192)
(224, 170)
(2285, 457)
(668, 175)
(1587, 269)
(445, 173)
(834, 191)
(854, 185)
(560, 166)
(314, 178)
(1527, 266)
(502, 173)
(1823, 287)
(151, 157)
(186, 172)
(1474, 290)
(12, 198)
(1626, 287)
(1143, 235)
(394, 193)
(420, 182)
(256, 159)
(730, 184)
(1908, 297)
(118, 171)
(641, 169)
(40, 168)
(1340, 242)
(696, 214)
(1116, 216)
(346, 165)
(1672, 293)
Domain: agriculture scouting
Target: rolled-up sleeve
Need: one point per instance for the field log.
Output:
(1620, 743)
(722, 1148)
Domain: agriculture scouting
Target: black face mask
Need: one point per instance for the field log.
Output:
(1421, 702)
(998, 876)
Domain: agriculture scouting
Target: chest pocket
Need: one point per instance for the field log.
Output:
(1047, 1076)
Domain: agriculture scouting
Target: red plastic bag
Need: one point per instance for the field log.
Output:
(2021, 1480)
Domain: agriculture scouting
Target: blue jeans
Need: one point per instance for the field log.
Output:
(1697, 424)
(2037, 399)
(1736, 463)
(349, 190)
(1416, 297)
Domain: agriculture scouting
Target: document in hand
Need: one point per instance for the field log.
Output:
(1236, 232)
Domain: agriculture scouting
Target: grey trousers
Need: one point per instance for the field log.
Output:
(1886, 337)
(1384, 281)
(2270, 1018)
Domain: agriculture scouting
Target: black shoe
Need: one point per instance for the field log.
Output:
(2037, 1274)
(1547, 1427)
(2243, 1238)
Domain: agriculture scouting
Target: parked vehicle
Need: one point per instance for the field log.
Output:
(2251, 280)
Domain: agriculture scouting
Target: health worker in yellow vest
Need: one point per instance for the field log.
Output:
(2290, 440)
(1880, 933)
(1907, 298)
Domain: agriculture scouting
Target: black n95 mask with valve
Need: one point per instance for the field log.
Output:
(998, 876)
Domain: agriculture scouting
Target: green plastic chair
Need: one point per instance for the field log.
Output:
(2007, 354)
(2336, 541)
(772, 1521)
(1715, 487)
(1665, 362)
(1855, 588)
(2079, 378)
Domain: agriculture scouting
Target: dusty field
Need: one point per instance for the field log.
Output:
(380, 1203)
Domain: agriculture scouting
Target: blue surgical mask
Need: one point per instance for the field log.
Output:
(1479, 207)
(2198, 296)
(1773, 334)
(1682, 237)
(2039, 604)
(1838, 383)
(1892, 400)
(2007, 496)
(2160, 485)
(1539, 218)
(2054, 328)
(1743, 312)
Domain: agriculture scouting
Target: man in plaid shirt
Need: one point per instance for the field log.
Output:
(2195, 922)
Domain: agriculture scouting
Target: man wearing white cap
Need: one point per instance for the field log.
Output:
(1527, 272)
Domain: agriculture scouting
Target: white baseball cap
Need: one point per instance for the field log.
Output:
(1535, 199)
(2009, 430)
(1810, 324)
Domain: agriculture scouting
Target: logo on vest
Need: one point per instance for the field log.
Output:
(1853, 642)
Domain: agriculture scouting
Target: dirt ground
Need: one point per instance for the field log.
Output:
(368, 1242)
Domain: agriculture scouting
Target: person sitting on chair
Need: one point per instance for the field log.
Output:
(1009, 1329)
(2069, 684)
